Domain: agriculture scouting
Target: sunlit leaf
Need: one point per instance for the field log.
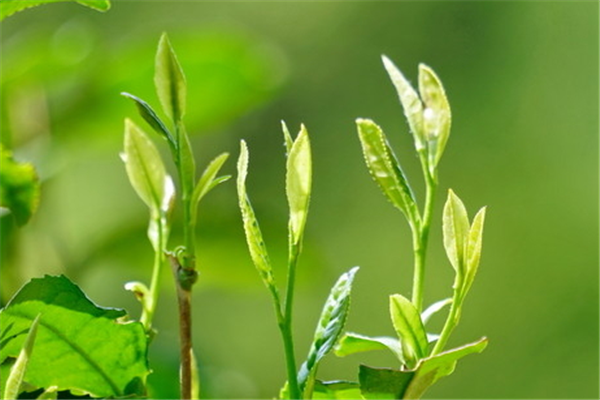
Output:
(411, 103)
(169, 81)
(385, 169)
(298, 183)
(19, 187)
(330, 326)
(256, 244)
(287, 137)
(209, 179)
(9, 7)
(473, 250)
(336, 390)
(434, 309)
(383, 383)
(352, 343)
(410, 330)
(437, 117)
(79, 346)
(150, 116)
(17, 371)
(455, 225)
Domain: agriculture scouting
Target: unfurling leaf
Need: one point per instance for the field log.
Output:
(455, 226)
(437, 117)
(256, 244)
(385, 169)
(209, 179)
(410, 330)
(298, 183)
(169, 81)
(17, 371)
(352, 343)
(411, 103)
(329, 328)
(79, 346)
(149, 115)
(19, 187)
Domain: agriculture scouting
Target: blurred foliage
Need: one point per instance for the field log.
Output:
(522, 78)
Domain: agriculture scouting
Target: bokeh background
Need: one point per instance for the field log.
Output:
(522, 79)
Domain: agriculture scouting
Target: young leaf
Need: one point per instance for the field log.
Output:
(287, 137)
(411, 103)
(473, 251)
(352, 343)
(434, 309)
(169, 81)
(208, 179)
(9, 7)
(409, 328)
(431, 369)
(383, 383)
(144, 166)
(256, 244)
(149, 115)
(437, 117)
(337, 390)
(79, 346)
(19, 187)
(330, 325)
(17, 371)
(455, 225)
(385, 169)
(187, 163)
(298, 183)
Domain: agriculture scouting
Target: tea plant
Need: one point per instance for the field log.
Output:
(422, 356)
(301, 383)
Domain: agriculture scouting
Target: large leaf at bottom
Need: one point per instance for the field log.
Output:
(79, 346)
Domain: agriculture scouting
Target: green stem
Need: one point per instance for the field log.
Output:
(286, 325)
(150, 304)
(449, 325)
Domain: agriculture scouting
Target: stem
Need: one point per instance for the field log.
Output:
(185, 338)
(148, 312)
(286, 325)
(449, 325)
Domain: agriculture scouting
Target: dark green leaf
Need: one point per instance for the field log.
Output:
(352, 343)
(149, 115)
(169, 81)
(337, 390)
(9, 7)
(79, 346)
(330, 325)
(19, 187)
(17, 371)
(383, 383)
(385, 169)
(298, 183)
(410, 330)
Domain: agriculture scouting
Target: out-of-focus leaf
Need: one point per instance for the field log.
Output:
(17, 371)
(169, 81)
(208, 180)
(352, 343)
(383, 383)
(437, 117)
(19, 187)
(473, 250)
(79, 346)
(9, 7)
(337, 390)
(411, 103)
(385, 169)
(431, 369)
(150, 116)
(455, 225)
(256, 244)
(329, 328)
(408, 325)
(434, 309)
(298, 183)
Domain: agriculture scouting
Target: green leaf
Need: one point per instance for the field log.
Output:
(434, 309)
(433, 368)
(169, 81)
(437, 117)
(19, 187)
(150, 116)
(298, 183)
(455, 225)
(385, 169)
(79, 346)
(336, 390)
(188, 164)
(9, 7)
(473, 250)
(208, 179)
(287, 137)
(409, 328)
(256, 244)
(17, 372)
(383, 383)
(411, 103)
(330, 326)
(352, 343)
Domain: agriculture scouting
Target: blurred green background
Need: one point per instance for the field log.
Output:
(522, 79)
